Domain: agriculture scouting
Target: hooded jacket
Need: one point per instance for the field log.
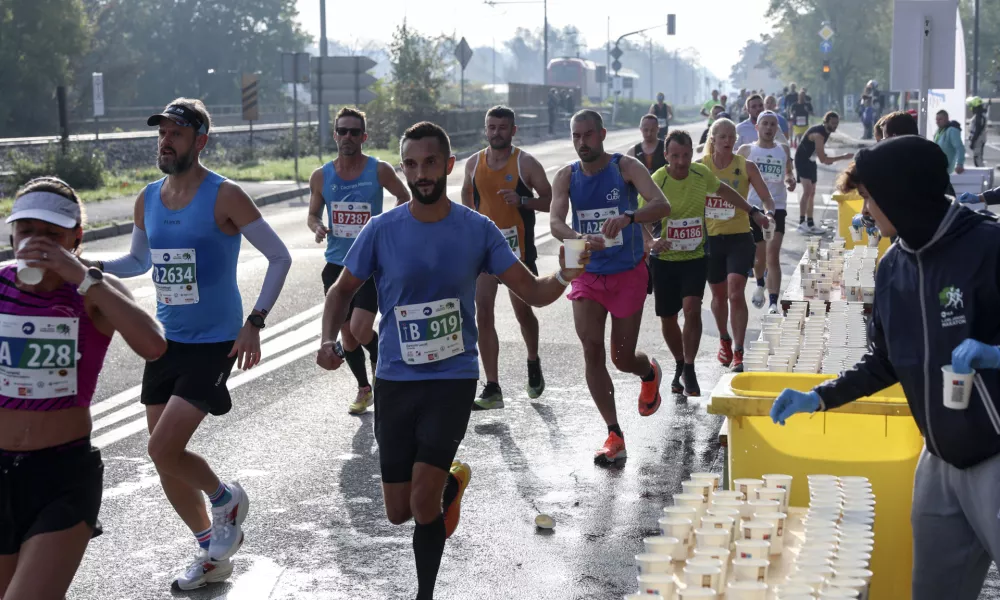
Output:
(949, 138)
(931, 293)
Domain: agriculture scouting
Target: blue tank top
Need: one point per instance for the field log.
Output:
(596, 198)
(194, 267)
(349, 206)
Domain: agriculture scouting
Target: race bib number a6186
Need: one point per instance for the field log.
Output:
(430, 332)
(685, 234)
(591, 222)
(718, 209)
(510, 234)
(348, 218)
(175, 276)
(38, 356)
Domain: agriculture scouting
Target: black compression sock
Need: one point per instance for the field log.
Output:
(760, 282)
(356, 361)
(428, 547)
(616, 429)
(450, 491)
(372, 348)
(802, 220)
(725, 337)
(810, 221)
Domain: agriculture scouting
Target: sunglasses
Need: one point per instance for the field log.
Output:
(354, 131)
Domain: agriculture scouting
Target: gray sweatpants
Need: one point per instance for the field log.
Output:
(956, 528)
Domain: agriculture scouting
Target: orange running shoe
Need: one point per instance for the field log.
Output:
(649, 392)
(613, 450)
(726, 352)
(452, 513)
(737, 361)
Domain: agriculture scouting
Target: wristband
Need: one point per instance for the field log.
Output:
(526, 199)
(559, 278)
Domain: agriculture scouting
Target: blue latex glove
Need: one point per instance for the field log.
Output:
(968, 198)
(790, 402)
(858, 221)
(972, 354)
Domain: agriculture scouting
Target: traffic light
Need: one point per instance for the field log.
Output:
(826, 69)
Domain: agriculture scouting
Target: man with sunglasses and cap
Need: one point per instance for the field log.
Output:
(350, 189)
(188, 229)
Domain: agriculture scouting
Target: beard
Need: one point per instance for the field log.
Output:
(499, 143)
(434, 195)
(178, 165)
(588, 154)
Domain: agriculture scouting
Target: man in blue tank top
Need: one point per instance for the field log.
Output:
(349, 190)
(188, 228)
(426, 257)
(601, 188)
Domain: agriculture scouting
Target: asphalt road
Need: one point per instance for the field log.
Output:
(316, 527)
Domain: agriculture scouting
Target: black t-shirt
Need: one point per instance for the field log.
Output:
(800, 114)
(654, 161)
(791, 99)
(661, 110)
(807, 147)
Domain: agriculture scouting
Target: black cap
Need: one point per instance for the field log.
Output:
(181, 115)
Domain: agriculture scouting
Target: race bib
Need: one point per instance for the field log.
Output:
(718, 209)
(684, 234)
(38, 356)
(591, 222)
(662, 123)
(801, 121)
(348, 218)
(430, 332)
(510, 234)
(175, 276)
(772, 170)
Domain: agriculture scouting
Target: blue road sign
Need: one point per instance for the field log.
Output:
(826, 46)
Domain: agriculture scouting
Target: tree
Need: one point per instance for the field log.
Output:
(989, 44)
(416, 70)
(39, 40)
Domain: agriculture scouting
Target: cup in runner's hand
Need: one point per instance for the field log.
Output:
(26, 274)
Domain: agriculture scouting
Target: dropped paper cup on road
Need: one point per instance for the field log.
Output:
(573, 249)
(25, 274)
(957, 388)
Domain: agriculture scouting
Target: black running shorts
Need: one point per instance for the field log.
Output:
(779, 225)
(49, 490)
(366, 298)
(420, 421)
(195, 372)
(729, 254)
(674, 280)
(806, 170)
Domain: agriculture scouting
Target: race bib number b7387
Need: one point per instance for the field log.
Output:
(348, 218)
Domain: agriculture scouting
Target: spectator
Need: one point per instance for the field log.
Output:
(568, 101)
(867, 117)
(553, 109)
(949, 138)
(898, 123)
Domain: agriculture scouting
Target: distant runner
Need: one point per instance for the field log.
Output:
(814, 141)
(664, 114)
(650, 150)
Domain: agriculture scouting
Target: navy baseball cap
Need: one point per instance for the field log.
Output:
(181, 115)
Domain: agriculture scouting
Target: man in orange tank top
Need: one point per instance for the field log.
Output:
(507, 185)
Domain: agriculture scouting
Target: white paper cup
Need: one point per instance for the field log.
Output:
(957, 387)
(642, 596)
(779, 481)
(685, 512)
(720, 554)
(853, 556)
(856, 546)
(712, 478)
(746, 590)
(777, 494)
(811, 579)
(727, 495)
(809, 561)
(777, 521)
(664, 585)
(696, 593)
(25, 274)
(661, 544)
(826, 571)
(750, 569)
(748, 487)
(732, 513)
(697, 488)
(573, 249)
(793, 589)
(838, 594)
(653, 563)
(752, 549)
(850, 583)
(703, 576)
(680, 528)
(711, 538)
(764, 506)
(695, 501)
(848, 565)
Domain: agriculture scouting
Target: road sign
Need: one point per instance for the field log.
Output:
(849, 103)
(250, 108)
(617, 66)
(294, 67)
(617, 84)
(825, 46)
(98, 84)
(616, 53)
(601, 75)
(826, 33)
(343, 80)
(463, 53)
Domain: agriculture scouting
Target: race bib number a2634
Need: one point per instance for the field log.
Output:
(591, 222)
(175, 276)
(38, 356)
(348, 218)
(430, 332)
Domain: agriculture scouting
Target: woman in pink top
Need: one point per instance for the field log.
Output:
(54, 333)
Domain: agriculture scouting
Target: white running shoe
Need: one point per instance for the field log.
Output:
(227, 524)
(758, 297)
(773, 309)
(803, 228)
(202, 571)
(817, 230)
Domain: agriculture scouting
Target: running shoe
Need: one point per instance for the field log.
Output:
(492, 397)
(817, 230)
(759, 295)
(536, 382)
(362, 402)
(649, 391)
(613, 450)
(737, 361)
(725, 352)
(804, 228)
(691, 387)
(676, 386)
(227, 524)
(773, 309)
(203, 571)
(452, 512)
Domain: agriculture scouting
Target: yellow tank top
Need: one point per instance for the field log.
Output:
(721, 217)
(512, 220)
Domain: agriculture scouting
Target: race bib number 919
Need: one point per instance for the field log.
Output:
(38, 356)
(430, 332)
(175, 276)
(591, 222)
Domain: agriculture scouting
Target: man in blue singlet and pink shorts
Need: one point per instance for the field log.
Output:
(602, 190)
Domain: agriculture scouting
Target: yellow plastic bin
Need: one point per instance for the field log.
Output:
(849, 205)
(873, 437)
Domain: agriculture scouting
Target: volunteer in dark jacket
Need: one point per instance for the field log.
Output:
(936, 299)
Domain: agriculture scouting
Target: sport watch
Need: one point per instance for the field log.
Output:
(631, 216)
(256, 320)
(93, 277)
